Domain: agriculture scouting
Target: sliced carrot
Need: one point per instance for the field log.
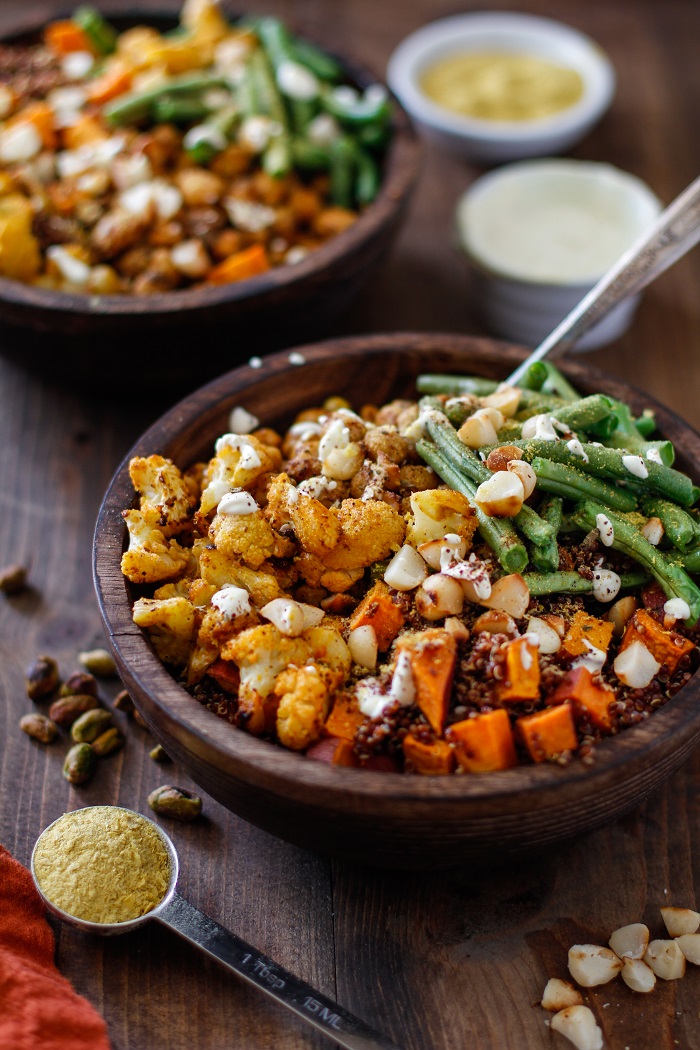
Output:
(483, 744)
(378, 610)
(586, 629)
(547, 733)
(85, 131)
(239, 267)
(667, 647)
(522, 673)
(226, 674)
(433, 655)
(590, 699)
(41, 115)
(115, 81)
(436, 759)
(345, 717)
(65, 36)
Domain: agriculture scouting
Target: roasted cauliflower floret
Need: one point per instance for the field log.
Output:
(261, 653)
(316, 527)
(437, 512)
(304, 700)
(151, 557)
(228, 613)
(246, 536)
(240, 459)
(167, 498)
(370, 531)
(218, 569)
(171, 623)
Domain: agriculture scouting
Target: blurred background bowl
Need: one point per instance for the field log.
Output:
(494, 33)
(387, 819)
(540, 233)
(93, 337)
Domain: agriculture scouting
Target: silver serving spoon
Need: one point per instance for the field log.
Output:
(247, 962)
(674, 233)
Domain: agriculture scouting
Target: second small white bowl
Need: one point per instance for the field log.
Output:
(502, 32)
(540, 234)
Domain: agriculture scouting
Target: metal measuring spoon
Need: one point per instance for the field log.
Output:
(674, 233)
(244, 960)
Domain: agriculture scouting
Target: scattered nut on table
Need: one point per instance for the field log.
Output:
(108, 742)
(68, 709)
(99, 662)
(41, 678)
(13, 579)
(175, 802)
(38, 727)
(79, 764)
(79, 682)
(88, 726)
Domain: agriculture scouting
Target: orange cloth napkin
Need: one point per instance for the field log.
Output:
(39, 1010)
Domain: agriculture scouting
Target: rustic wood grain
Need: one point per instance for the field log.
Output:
(438, 961)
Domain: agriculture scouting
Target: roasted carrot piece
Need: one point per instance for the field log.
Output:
(226, 674)
(433, 654)
(65, 36)
(41, 115)
(591, 699)
(436, 759)
(483, 744)
(667, 647)
(115, 81)
(84, 132)
(584, 629)
(248, 263)
(522, 680)
(345, 717)
(377, 610)
(547, 733)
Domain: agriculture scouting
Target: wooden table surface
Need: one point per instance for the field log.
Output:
(438, 962)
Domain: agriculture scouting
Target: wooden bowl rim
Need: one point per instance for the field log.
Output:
(401, 168)
(256, 761)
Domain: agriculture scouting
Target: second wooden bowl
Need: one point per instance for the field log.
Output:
(387, 819)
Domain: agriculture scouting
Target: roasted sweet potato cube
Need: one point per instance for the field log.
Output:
(483, 744)
(226, 674)
(378, 610)
(345, 717)
(667, 647)
(436, 759)
(583, 629)
(433, 655)
(522, 672)
(590, 698)
(547, 733)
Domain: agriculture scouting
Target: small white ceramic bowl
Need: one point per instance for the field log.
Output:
(540, 233)
(502, 32)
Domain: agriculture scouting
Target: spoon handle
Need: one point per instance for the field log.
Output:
(673, 234)
(303, 1000)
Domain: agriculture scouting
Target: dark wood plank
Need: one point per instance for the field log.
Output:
(441, 960)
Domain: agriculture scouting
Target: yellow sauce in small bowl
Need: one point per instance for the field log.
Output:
(501, 86)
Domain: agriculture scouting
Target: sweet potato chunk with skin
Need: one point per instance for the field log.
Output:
(226, 675)
(433, 655)
(377, 610)
(547, 733)
(667, 647)
(437, 759)
(587, 629)
(345, 717)
(522, 680)
(483, 744)
(590, 698)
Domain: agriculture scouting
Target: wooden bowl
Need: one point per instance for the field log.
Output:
(387, 819)
(86, 335)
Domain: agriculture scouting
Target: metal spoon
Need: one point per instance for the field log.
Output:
(674, 233)
(247, 962)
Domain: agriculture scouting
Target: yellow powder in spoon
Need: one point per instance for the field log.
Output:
(102, 864)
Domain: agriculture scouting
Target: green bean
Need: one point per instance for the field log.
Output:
(137, 105)
(342, 171)
(571, 483)
(646, 423)
(279, 48)
(374, 135)
(498, 533)
(584, 413)
(99, 32)
(437, 383)
(183, 110)
(571, 583)
(626, 435)
(546, 557)
(609, 463)
(358, 111)
(323, 65)
(557, 383)
(309, 156)
(367, 177)
(673, 579)
(689, 560)
(277, 157)
(679, 527)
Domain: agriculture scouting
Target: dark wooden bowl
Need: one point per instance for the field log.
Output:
(86, 335)
(388, 819)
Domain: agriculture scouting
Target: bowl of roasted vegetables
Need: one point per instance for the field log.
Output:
(193, 170)
(388, 606)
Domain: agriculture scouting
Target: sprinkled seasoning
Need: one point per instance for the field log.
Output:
(102, 864)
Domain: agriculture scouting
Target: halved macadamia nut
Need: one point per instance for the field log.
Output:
(689, 944)
(638, 976)
(559, 994)
(510, 595)
(501, 496)
(499, 458)
(591, 964)
(630, 942)
(506, 400)
(578, 1025)
(666, 959)
(477, 430)
(525, 473)
(680, 920)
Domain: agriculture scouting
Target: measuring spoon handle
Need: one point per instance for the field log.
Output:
(303, 1000)
(674, 233)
